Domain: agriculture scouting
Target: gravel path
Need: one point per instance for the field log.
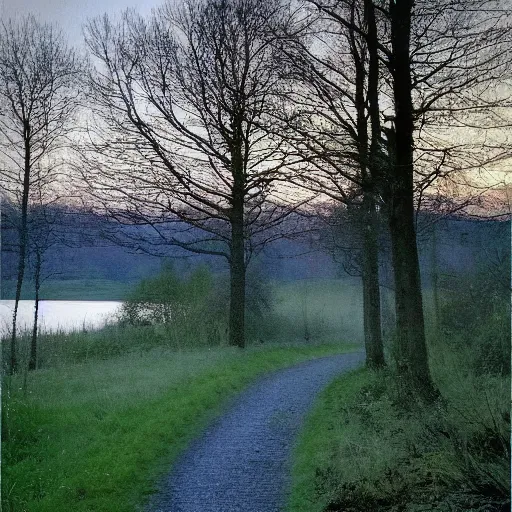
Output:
(242, 461)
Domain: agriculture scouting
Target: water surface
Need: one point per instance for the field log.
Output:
(65, 315)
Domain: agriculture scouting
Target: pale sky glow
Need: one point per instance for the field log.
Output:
(70, 15)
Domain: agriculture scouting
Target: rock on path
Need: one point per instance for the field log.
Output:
(241, 463)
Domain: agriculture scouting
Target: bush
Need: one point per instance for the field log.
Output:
(173, 306)
(166, 297)
(475, 317)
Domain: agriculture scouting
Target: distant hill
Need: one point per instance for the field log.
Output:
(461, 245)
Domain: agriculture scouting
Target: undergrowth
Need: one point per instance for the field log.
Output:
(364, 450)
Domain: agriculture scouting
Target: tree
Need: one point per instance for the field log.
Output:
(43, 233)
(180, 100)
(326, 119)
(411, 344)
(371, 189)
(437, 75)
(38, 75)
(439, 70)
(333, 120)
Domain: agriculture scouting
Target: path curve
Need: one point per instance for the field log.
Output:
(241, 463)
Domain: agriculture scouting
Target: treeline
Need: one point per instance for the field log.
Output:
(84, 254)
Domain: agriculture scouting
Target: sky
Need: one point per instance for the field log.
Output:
(71, 14)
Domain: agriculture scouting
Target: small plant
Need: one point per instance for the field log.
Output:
(171, 306)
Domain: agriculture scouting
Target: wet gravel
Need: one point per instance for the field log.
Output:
(241, 463)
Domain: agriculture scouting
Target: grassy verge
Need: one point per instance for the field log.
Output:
(70, 289)
(362, 451)
(96, 436)
(314, 486)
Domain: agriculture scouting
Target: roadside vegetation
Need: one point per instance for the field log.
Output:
(366, 447)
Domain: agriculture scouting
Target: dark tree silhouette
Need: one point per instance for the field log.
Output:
(333, 119)
(38, 77)
(182, 99)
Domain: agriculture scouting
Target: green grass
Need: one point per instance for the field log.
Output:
(96, 436)
(314, 485)
(361, 450)
(71, 289)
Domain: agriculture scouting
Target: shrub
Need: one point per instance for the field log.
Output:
(475, 316)
(178, 310)
(166, 298)
(176, 303)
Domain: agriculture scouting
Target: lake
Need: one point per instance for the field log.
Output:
(66, 315)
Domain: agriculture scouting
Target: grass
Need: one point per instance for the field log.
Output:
(330, 310)
(70, 289)
(314, 485)
(60, 348)
(96, 436)
(110, 410)
(361, 450)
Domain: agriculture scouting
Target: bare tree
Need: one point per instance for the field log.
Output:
(43, 233)
(38, 74)
(180, 100)
(437, 61)
(444, 55)
(333, 119)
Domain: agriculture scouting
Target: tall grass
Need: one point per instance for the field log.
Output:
(311, 311)
(361, 451)
(364, 448)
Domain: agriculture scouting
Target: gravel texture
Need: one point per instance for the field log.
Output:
(242, 461)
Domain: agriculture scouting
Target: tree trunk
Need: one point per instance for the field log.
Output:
(237, 256)
(435, 280)
(23, 247)
(237, 277)
(370, 249)
(373, 338)
(32, 364)
(13, 366)
(375, 160)
(412, 350)
(371, 288)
